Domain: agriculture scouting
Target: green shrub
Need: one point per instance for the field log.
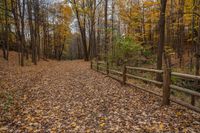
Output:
(126, 48)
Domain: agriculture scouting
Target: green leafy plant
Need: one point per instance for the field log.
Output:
(126, 48)
(9, 101)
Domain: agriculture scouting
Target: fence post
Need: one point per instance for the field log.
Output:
(192, 96)
(166, 81)
(107, 67)
(193, 100)
(124, 74)
(97, 64)
(91, 64)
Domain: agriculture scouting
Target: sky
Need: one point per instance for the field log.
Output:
(56, 1)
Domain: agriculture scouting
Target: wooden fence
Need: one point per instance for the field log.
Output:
(166, 85)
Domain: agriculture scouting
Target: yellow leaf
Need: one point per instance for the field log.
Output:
(88, 131)
(161, 126)
(178, 113)
(73, 124)
(102, 124)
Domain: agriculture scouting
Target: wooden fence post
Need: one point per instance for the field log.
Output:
(97, 64)
(193, 100)
(91, 64)
(107, 67)
(166, 81)
(124, 74)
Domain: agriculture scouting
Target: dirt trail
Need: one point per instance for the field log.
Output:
(68, 96)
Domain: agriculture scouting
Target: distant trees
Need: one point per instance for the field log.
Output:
(40, 29)
(81, 19)
(33, 24)
(18, 11)
(85, 12)
(144, 21)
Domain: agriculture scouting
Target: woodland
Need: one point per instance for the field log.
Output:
(100, 66)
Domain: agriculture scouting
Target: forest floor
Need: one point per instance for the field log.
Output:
(68, 96)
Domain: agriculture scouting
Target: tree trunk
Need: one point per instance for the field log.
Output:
(32, 33)
(37, 27)
(162, 37)
(6, 30)
(82, 30)
(106, 30)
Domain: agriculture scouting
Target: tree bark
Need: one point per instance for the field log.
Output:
(106, 30)
(82, 30)
(162, 37)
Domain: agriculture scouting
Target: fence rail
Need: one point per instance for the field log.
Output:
(144, 79)
(187, 76)
(191, 92)
(166, 85)
(115, 71)
(145, 69)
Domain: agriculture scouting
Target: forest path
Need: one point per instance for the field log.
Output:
(68, 96)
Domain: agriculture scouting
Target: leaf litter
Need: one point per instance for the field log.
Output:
(68, 96)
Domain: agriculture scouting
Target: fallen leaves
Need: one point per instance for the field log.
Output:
(178, 113)
(73, 125)
(3, 128)
(70, 97)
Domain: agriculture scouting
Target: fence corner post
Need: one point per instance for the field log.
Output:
(166, 81)
(124, 74)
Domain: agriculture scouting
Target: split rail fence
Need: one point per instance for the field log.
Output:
(166, 84)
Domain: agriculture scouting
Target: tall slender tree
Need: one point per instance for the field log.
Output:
(160, 49)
